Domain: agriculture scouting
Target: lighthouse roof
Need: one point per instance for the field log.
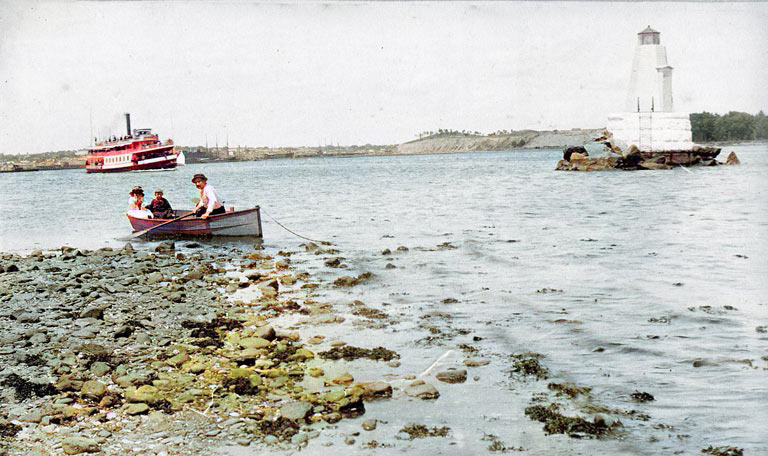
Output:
(648, 30)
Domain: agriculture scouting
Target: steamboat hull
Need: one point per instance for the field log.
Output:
(245, 222)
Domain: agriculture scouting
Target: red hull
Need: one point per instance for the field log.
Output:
(166, 164)
(140, 151)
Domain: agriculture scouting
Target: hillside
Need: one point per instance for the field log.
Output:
(527, 139)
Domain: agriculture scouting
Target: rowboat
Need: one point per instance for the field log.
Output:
(246, 222)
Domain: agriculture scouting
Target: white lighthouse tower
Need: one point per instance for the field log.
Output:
(649, 121)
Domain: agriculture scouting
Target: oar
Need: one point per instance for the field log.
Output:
(143, 232)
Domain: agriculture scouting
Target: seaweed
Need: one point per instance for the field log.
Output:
(557, 423)
(349, 353)
(25, 389)
(281, 427)
(419, 431)
(9, 430)
(723, 451)
(240, 385)
(528, 364)
(569, 390)
(352, 409)
(639, 396)
(34, 360)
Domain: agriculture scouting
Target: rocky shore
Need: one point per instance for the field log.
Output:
(185, 349)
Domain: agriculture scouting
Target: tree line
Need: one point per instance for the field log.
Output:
(707, 127)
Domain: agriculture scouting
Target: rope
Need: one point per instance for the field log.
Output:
(293, 232)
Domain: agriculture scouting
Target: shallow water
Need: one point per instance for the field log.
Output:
(642, 264)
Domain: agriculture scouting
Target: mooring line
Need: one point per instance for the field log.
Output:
(293, 232)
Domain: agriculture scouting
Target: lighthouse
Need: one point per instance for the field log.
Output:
(649, 120)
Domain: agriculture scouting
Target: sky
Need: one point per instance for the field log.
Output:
(353, 73)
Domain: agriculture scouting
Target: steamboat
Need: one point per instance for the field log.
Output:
(140, 149)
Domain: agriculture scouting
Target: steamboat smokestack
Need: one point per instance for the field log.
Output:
(128, 122)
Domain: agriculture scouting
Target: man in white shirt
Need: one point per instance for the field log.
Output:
(210, 203)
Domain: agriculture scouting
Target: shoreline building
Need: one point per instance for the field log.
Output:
(649, 121)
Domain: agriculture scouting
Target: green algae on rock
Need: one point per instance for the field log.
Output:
(419, 431)
(575, 427)
(349, 353)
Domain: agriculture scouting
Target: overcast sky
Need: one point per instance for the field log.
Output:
(270, 74)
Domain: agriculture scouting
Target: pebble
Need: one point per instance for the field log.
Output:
(369, 425)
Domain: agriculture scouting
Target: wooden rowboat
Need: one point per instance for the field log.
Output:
(246, 222)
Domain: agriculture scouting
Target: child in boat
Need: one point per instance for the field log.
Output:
(135, 203)
(160, 206)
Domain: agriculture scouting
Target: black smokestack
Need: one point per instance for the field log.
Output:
(128, 122)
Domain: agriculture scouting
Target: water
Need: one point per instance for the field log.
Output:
(660, 270)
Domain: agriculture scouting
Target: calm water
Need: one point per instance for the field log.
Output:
(638, 256)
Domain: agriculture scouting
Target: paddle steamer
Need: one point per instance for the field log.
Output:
(140, 149)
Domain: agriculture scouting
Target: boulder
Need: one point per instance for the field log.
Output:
(424, 391)
(77, 445)
(295, 411)
(732, 159)
(165, 247)
(93, 389)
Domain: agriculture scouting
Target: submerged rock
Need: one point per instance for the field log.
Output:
(424, 391)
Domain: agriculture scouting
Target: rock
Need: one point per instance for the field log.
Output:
(68, 383)
(349, 441)
(27, 317)
(34, 416)
(476, 362)
(11, 268)
(425, 391)
(343, 379)
(154, 277)
(732, 159)
(93, 389)
(315, 372)
(93, 312)
(128, 248)
(268, 292)
(452, 376)
(272, 283)
(302, 354)
(390, 266)
(194, 274)
(136, 409)
(266, 332)
(369, 425)
(254, 342)
(123, 331)
(374, 390)
(100, 368)
(77, 445)
(295, 411)
(579, 150)
(648, 164)
(386, 252)
(300, 438)
(132, 379)
(165, 247)
(178, 360)
(145, 393)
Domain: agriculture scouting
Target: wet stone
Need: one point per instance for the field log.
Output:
(452, 376)
(295, 411)
(77, 445)
(424, 391)
(369, 425)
